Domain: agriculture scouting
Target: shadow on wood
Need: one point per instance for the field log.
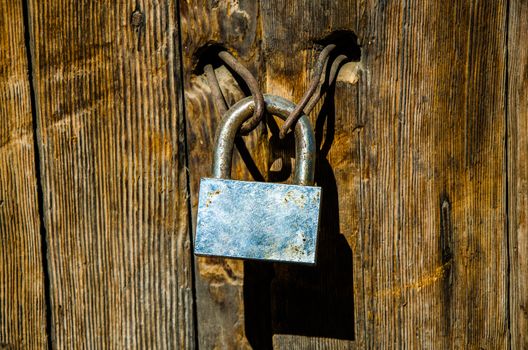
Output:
(313, 301)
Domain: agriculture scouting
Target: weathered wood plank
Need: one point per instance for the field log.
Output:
(434, 149)
(112, 149)
(219, 282)
(518, 171)
(311, 304)
(319, 308)
(22, 301)
(448, 121)
(412, 162)
(418, 163)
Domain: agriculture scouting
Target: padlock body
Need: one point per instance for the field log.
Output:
(257, 220)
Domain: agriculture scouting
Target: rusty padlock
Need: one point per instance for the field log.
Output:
(259, 220)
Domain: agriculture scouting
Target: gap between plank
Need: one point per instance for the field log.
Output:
(507, 174)
(38, 175)
(181, 110)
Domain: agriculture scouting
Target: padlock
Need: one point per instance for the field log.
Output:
(259, 220)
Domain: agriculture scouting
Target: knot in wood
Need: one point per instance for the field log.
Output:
(137, 19)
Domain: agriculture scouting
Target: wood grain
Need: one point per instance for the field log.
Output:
(434, 138)
(22, 300)
(422, 153)
(518, 171)
(412, 163)
(113, 153)
(418, 161)
(319, 307)
(299, 342)
(234, 24)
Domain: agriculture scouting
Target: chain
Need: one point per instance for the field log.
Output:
(305, 106)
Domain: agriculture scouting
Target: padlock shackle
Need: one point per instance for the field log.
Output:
(276, 105)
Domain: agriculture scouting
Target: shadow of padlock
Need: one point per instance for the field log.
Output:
(259, 220)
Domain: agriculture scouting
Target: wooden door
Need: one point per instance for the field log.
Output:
(107, 124)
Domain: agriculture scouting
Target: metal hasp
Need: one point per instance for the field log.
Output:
(258, 220)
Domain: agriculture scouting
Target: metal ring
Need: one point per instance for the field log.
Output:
(276, 105)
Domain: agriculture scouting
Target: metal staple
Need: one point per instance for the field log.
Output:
(319, 68)
(336, 64)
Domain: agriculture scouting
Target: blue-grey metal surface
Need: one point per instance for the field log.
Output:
(257, 220)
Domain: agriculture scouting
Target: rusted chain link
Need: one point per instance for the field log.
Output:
(318, 71)
(252, 84)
